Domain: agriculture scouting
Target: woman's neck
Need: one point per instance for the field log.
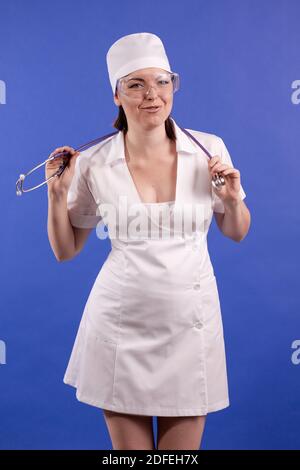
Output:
(147, 143)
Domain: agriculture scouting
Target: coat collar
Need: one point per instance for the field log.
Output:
(116, 150)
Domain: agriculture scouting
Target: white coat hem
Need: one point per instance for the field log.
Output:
(151, 411)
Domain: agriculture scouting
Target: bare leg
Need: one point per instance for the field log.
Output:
(129, 431)
(180, 432)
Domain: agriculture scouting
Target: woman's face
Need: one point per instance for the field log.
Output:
(140, 94)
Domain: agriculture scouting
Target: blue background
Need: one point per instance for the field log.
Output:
(237, 60)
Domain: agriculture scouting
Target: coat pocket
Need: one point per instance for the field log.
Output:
(97, 367)
(104, 307)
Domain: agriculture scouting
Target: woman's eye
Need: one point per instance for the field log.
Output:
(160, 82)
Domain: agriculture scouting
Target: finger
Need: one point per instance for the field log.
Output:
(214, 160)
(219, 167)
(213, 166)
(69, 149)
(56, 153)
(232, 171)
(65, 148)
(73, 159)
(75, 154)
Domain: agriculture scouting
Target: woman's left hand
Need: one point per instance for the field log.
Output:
(229, 192)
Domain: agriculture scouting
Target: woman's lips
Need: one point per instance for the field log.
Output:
(151, 110)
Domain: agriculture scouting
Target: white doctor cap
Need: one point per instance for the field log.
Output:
(133, 52)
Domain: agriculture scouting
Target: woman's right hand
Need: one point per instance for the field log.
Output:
(62, 182)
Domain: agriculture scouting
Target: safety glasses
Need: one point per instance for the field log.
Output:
(136, 86)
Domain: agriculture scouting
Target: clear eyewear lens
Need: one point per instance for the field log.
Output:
(165, 84)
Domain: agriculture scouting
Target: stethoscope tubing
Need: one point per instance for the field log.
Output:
(217, 181)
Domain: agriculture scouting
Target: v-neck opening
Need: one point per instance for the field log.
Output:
(138, 196)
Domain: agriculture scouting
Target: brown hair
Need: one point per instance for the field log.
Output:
(121, 124)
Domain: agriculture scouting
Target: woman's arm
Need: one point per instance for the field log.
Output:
(60, 231)
(235, 221)
(66, 241)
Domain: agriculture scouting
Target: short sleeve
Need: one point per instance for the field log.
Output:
(217, 203)
(83, 210)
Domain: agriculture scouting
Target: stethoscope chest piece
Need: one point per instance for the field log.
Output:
(218, 181)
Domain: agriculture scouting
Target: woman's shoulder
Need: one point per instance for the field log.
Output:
(98, 151)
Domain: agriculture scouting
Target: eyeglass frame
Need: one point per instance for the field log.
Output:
(174, 78)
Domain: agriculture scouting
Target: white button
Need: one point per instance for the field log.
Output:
(198, 325)
(197, 286)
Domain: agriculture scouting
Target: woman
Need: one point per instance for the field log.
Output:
(150, 341)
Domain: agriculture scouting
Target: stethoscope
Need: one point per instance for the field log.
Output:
(20, 182)
(217, 180)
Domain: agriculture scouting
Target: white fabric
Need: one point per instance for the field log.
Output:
(134, 52)
(150, 340)
(82, 208)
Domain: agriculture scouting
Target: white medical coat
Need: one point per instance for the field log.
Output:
(150, 340)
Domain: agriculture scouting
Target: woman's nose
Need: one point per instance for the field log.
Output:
(149, 89)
